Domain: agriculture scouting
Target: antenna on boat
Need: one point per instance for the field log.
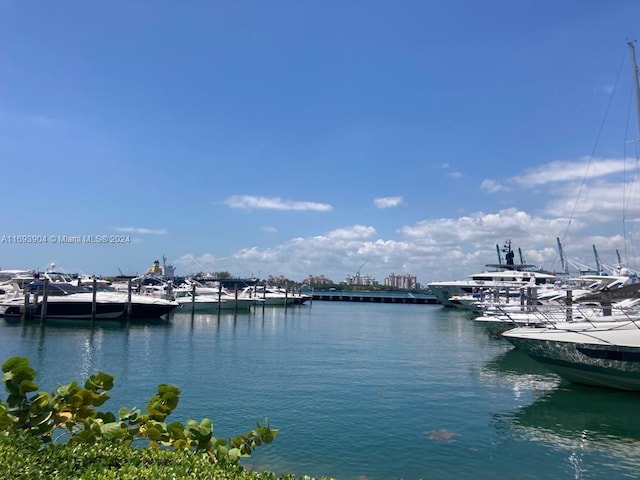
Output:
(521, 257)
(508, 252)
(499, 256)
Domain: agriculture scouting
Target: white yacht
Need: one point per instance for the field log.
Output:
(508, 279)
(604, 353)
(68, 301)
(212, 297)
(275, 295)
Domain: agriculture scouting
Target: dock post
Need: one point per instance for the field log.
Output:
(45, 295)
(193, 298)
(219, 296)
(569, 302)
(129, 300)
(93, 298)
(236, 295)
(534, 298)
(27, 306)
(605, 301)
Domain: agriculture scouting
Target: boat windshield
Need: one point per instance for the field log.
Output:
(56, 289)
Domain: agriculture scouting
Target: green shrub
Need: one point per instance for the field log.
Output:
(70, 414)
(25, 457)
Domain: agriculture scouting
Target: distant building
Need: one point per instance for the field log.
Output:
(406, 282)
(361, 280)
(278, 280)
(317, 280)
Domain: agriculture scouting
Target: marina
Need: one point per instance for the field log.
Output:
(359, 390)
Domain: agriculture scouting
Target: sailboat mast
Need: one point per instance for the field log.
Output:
(598, 265)
(636, 85)
(565, 267)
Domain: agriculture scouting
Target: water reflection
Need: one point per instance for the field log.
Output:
(583, 421)
(59, 346)
(56, 323)
(518, 371)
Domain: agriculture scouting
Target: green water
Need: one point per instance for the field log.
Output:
(358, 390)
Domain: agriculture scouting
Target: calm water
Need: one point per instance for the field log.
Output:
(358, 390)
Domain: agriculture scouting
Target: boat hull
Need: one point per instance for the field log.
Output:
(69, 310)
(108, 306)
(601, 358)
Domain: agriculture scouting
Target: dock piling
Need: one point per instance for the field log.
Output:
(45, 295)
(129, 299)
(94, 293)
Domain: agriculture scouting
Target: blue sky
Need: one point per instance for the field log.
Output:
(303, 138)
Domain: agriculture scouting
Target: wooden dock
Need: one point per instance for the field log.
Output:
(377, 297)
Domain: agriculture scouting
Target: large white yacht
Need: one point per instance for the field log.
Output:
(507, 277)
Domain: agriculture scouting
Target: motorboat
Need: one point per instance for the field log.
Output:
(501, 319)
(275, 295)
(200, 302)
(603, 353)
(65, 300)
(213, 296)
(20, 277)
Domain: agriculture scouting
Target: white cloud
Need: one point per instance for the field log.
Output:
(387, 202)
(352, 233)
(597, 202)
(270, 229)
(273, 203)
(190, 263)
(141, 230)
(451, 248)
(559, 172)
(566, 171)
(438, 249)
(492, 186)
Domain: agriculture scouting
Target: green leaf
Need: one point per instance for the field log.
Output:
(176, 430)
(99, 381)
(112, 430)
(234, 454)
(27, 386)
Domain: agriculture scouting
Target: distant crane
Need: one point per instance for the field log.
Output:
(356, 279)
(358, 271)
